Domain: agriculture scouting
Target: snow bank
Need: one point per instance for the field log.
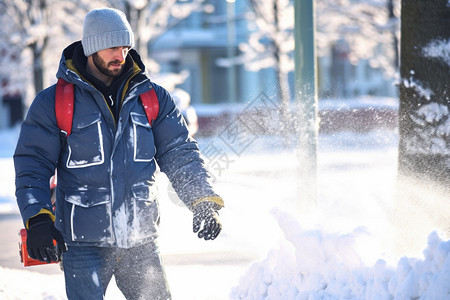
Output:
(21, 284)
(7, 187)
(313, 264)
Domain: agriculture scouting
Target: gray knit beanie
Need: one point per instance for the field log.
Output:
(105, 28)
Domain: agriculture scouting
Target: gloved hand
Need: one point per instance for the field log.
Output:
(40, 239)
(205, 213)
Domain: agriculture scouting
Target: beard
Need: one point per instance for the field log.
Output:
(102, 66)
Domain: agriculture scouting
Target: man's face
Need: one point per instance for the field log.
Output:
(110, 61)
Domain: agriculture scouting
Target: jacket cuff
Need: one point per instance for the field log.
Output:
(42, 211)
(215, 199)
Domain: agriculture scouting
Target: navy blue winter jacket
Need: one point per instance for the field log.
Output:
(106, 193)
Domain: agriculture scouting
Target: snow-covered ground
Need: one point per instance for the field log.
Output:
(272, 247)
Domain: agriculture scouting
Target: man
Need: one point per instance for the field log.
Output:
(106, 197)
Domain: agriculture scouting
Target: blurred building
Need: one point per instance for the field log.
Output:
(338, 78)
(197, 44)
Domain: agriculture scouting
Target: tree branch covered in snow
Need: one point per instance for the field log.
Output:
(30, 27)
(151, 19)
(370, 28)
(37, 31)
(272, 44)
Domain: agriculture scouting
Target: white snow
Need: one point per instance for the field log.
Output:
(433, 112)
(439, 49)
(121, 226)
(272, 245)
(423, 91)
(432, 139)
(31, 199)
(319, 265)
(95, 279)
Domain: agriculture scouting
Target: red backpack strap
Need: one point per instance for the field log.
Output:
(151, 105)
(64, 106)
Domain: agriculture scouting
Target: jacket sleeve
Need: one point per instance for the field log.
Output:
(178, 155)
(36, 156)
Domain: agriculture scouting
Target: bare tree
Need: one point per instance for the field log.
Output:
(9, 79)
(272, 44)
(28, 28)
(370, 28)
(152, 18)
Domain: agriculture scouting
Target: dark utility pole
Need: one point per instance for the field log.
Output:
(424, 148)
(423, 186)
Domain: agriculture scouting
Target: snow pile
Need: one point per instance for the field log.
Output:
(318, 265)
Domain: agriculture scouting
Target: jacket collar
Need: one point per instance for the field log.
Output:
(67, 64)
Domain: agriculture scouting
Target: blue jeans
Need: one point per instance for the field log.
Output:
(138, 272)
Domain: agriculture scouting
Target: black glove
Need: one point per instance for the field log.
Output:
(205, 213)
(40, 239)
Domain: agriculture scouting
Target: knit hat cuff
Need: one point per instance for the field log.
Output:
(107, 40)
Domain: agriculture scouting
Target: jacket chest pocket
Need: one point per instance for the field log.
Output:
(85, 144)
(142, 138)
